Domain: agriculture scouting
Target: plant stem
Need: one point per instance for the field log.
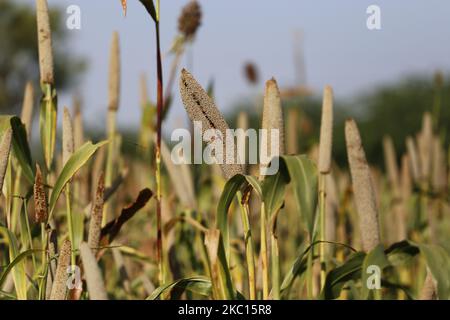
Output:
(264, 255)
(309, 275)
(159, 103)
(275, 268)
(249, 249)
(322, 199)
(30, 238)
(43, 263)
(111, 123)
(70, 224)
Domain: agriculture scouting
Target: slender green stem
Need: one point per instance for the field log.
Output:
(377, 294)
(275, 268)
(70, 223)
(322, 199)
(160, 104)
(249, 248)
(30, 238)
(264, 255)
(43, 263)
(111, 123)
(309, 275)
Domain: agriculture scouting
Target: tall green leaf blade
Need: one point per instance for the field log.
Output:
(303, 176)
(75, 162)
(21, 148)
(150, 7)
(336, 278)
(18, 269)
(273, 191)
(236, 183)
(15, 262)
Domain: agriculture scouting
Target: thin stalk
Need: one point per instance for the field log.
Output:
(275, 255)
(43, 263)
(15, 201)
(378, 295)
(309, 275)
(30, 238)
(322, 199)
(159, 104)
(264, 255)
(249, 249)
(275, 268)
(112, 117)
(70, 224)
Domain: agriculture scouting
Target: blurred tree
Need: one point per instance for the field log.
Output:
(19, 53)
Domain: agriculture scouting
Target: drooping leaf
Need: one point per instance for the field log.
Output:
(75, 162)
(336, 278)
(16, 261)
(438, 261)
(198, 285)
(401, 253)
(376, 257)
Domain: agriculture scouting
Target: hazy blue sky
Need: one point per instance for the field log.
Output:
(338, 48)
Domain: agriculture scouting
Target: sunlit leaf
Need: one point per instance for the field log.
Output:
(75, 162)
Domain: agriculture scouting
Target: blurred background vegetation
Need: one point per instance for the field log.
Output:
(394, 109)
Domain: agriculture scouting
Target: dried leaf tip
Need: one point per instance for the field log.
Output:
(60, 283)
(124, 7)
(40, 198)
(363, 189)
(44, 42)
(68, 140)
(114, 73)
(326, 131)
(5, 148)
